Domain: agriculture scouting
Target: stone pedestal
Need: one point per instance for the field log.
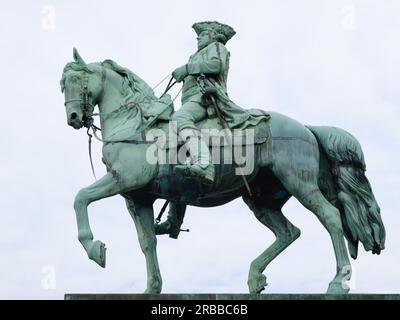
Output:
(228, 296)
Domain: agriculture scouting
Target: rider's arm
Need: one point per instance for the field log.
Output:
(213, 62)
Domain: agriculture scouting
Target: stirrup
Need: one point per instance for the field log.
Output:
(176, 231)
(172, 230)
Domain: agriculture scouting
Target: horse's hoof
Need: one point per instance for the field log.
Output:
(337, 288)
(153, 289)
(98, 253)
(258, 283)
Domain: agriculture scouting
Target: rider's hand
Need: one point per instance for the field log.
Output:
(180, 73)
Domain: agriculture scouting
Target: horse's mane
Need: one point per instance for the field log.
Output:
(136, 83)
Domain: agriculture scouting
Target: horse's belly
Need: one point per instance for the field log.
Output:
(214, 199)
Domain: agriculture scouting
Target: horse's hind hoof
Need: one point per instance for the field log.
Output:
(258, 283)
(98, 253)
(337, 288)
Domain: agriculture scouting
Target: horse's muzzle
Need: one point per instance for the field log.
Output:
(74, 121)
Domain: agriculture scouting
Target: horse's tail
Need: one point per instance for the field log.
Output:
(359, 210)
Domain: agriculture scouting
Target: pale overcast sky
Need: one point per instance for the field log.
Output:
(321, 62)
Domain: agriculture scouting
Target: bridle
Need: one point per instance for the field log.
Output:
(87, 108)
(86, 105)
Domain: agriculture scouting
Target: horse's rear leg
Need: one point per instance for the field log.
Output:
(309, 195)
(103, 188)
(143, 216)
(269, 213)
(331, 220)
(298, 171)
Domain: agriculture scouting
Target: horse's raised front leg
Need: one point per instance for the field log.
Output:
(103, 188)
(143, 216)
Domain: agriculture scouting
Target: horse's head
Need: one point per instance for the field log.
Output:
(82, 85)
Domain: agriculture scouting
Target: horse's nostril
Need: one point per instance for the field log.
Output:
(73, 115)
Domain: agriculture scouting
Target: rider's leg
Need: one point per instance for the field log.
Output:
(185, 117)
(172, 225)
(201, 166)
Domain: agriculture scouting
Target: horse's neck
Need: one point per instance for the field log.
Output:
(115, 120)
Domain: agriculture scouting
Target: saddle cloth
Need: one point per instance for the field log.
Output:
(250, 133)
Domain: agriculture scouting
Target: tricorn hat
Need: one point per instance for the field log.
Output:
(223, 31)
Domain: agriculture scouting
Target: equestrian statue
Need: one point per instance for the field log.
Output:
(322, 167)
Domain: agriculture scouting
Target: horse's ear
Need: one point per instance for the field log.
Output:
(78, 58)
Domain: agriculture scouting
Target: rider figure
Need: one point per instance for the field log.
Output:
(209, 66)
(211, 61)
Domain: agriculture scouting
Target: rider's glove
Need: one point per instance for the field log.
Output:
(180, 73)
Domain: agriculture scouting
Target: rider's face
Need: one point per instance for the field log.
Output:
(204, 39)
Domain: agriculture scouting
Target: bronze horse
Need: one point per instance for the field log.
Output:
(322, 167)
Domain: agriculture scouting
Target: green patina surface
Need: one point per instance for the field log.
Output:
(322, 167)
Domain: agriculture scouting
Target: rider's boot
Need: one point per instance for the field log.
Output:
(172, 225)
(201, 166)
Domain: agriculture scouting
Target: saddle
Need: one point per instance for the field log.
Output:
(253, 132)
(251, 137)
